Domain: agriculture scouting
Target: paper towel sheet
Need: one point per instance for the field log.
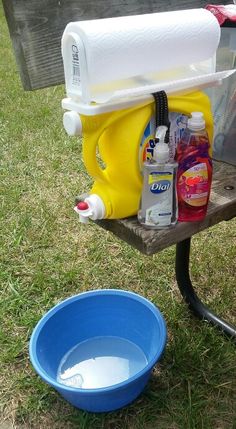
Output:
(117, 49)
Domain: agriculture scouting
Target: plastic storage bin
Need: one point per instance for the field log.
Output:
(224, 100)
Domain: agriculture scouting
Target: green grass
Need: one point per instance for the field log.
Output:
(46, 255)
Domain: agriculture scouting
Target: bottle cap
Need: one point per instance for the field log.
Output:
(197, 121)
(161, 152)
(72, 123)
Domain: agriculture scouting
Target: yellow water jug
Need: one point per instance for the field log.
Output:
(118, 139)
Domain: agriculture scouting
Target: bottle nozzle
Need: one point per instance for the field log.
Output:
(161, 133)
(91, 208)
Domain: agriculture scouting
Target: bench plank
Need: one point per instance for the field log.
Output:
(222, 206)
(36, 28)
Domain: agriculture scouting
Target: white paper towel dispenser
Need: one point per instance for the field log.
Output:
(115, 59)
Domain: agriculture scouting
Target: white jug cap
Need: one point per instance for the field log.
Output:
(197, 121)
(72, 123)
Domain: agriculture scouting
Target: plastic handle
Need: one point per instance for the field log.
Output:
(90, 143)
(94, 127)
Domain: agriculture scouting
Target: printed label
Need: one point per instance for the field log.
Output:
(155, 216)
(178, 123)
(75, 65)
(156, 176)
(147, 143)
(159, 187)
(193, 185)
(161, 192)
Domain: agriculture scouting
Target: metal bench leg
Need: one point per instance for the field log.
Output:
(190, 296)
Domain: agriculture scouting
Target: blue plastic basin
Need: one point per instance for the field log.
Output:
(98, 314)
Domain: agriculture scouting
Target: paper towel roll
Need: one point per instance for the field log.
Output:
(119, 48)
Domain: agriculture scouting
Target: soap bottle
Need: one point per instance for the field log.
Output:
(158, 208)
(194, 170)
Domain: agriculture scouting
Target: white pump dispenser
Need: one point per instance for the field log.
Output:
(158, 203)
(161, 153)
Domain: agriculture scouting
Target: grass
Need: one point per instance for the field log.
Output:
(46, 256)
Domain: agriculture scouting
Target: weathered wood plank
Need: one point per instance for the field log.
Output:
(222, 206)
(36, 28)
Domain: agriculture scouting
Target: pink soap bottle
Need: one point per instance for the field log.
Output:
(194, 174)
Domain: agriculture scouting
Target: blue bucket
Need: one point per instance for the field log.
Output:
(118, 332)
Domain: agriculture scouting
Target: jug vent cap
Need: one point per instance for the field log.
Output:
(72, 123)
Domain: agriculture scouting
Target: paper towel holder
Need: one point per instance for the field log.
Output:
(86, 96)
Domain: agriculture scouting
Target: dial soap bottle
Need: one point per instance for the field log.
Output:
(194, 170)
(158, 207)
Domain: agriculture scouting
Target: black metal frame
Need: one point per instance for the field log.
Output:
(186, 288)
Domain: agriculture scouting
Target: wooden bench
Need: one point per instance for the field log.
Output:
(36, 29)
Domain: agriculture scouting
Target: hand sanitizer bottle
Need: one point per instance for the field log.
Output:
(158, 208)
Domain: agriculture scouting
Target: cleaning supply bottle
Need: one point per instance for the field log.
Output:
(158, 202)
(195, 170)
(123, 139)
(114, 138)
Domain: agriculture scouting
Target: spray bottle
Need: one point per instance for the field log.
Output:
(158, 203)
